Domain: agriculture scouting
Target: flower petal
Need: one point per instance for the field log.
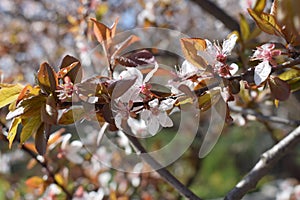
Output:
(262, 72)
(229, 44)
(165, 120)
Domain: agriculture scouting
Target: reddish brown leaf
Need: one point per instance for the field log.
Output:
(280, 89)
(41, 140)
(122, 86)
(70, 67)
(49, 111)
(47, 78)
(102, 32)
(123, 45)
(139, 58)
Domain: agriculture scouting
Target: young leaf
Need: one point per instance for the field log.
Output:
(107, 114)
(9, 93)
(41, 140)
(294, 84)
(30, 127)
(190, 48)
(34, 182)
(274, 7)
(27, 92)
(47, 78)
(49, 111)
(70, 67)
(259, 6)
(266, 22)
(280, 89)
(32, 106)
(123, 45)
(244, 27)
(139, 58)
(289, 74)
(122, 86)
(104, 33)
(208, 99)
(70, 116)
(13, 130)
(262, 72)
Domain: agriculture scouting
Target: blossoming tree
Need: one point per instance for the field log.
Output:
(126, 102)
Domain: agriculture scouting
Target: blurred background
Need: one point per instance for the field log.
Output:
(34, 31)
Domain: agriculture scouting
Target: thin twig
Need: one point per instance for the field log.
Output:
(267, 161)
(163, 172)
(249, 74)
(262, 117)
(49, 171)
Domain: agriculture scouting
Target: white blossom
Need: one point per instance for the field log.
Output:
(157, 115)
(71, 150)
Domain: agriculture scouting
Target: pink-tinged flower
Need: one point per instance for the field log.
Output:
(71, 150)
(245, 4)
(186, 70)
(266, 52)
(216, 55)
(122, 112)
(80, 194)
(157, 115)
(51, 192)
(139, 87)
(65, 90)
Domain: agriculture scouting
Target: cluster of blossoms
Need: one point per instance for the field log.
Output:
(155, 113)
(266, 54)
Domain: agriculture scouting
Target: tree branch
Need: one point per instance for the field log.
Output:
(163, 172)
(262, 117)
(49, 171)
(267, 161)
(218, 13)
(249, 74)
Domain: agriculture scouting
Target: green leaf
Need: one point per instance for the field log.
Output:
(244, 27)
(280, 89)
(47, 78)
(32, 106)
(30, 127)
(259, 6)
(208, 99)
(71, 115)
(294, 84)
(266, 22)
(13, 130)
(190, 48)
(290, 74)
(9, 93)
